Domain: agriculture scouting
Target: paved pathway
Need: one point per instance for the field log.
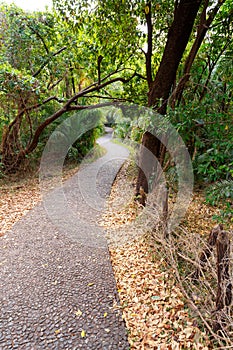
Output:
(57, 289)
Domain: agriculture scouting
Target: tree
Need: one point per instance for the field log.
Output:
(159, 89)
(96, 47)
(182, 25)
(41, 79)
(201, 109)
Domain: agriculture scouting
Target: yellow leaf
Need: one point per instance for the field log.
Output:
(147, 10)
(226, 127)
(57, 331)
(78, 313)
(105, 314)
(90, 284)
(83, 334)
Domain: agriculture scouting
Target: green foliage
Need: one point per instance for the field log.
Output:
(39, 62)
(84, 144)
(117, 33)
(212, 150)
(221, 194)
(216, 163)
(56, 54)
(123, 125)
(206, 127)
(13, 82)
(222, 190)
(133, 120)
(77, 134)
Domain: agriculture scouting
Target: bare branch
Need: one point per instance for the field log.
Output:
(203, 27)
(28, 109)
(38, 105)
(95, 87)
(118, 71)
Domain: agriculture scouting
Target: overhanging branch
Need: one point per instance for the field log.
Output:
(108, 98)
(67, 107)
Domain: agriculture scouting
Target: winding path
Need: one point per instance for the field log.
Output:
(57, 289)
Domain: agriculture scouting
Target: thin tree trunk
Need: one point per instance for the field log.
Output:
(211, 69)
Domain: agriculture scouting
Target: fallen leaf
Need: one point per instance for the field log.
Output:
(78, 313)
(188, 331)
(83, 334)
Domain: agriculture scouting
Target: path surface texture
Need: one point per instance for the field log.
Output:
(57, 289)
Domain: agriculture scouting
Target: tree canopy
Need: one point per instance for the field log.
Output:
(172, 56)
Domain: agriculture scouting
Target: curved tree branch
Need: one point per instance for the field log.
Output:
(40, 37)
(69, 107)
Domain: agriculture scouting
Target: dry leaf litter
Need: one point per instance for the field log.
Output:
(153, 305)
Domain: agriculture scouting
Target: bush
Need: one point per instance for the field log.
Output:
(84, 144)
(221, 194)
(208, 134)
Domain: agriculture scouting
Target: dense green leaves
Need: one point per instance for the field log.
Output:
(42, 67)
(13, 81)
(48, 58)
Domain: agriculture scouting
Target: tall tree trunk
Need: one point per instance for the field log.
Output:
(178, 36)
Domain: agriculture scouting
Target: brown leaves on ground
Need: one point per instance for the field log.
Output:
(153, 306)
(199, 215)
(16, 200)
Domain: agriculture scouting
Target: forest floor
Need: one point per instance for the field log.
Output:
(154, 308)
